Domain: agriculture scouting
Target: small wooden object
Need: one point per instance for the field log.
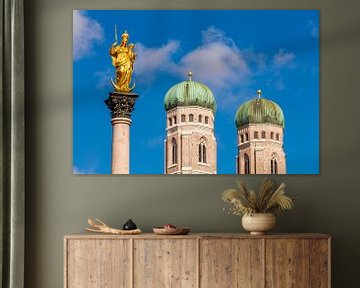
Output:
(101, 227)
(171, 231)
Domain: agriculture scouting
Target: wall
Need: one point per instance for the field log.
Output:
(59, 203)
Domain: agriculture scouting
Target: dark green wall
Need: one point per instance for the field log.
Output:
(59, 203)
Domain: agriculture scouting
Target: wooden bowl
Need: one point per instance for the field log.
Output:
(171, 231)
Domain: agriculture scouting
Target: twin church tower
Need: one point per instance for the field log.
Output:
(190, 145)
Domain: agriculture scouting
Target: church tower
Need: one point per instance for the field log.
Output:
(260, 137)
(190, 144)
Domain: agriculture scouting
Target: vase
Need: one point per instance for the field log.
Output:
(259, 223)
(129, 225)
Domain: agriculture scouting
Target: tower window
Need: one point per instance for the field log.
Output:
(256, 134)
(191, 118)
(174, 151)
(202, 151)
(246, 136)
(170, 122)
(274, 166)
(183, 118)
(174, 120)
(272, 135)
(200, 118)
(277, 136)
(246, 164)
(206, 120)
(263, 134)
(242, 138)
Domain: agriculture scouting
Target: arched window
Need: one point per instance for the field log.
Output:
(277, 136)
(202, 151)
(274, 166)
(204, 154)
(191, 118)
(206, 120)
(246, 164)
(200, 118)
(246, 136)
(263, 134)
(170, 122)
(174, 120)
(272, 135)
(241, 138)
(183, 118)
(256, 134)
(174, 151)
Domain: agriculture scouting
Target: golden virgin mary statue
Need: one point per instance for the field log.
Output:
(123, 58)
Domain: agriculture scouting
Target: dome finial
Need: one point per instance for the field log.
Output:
(190, 75)
(259, 93)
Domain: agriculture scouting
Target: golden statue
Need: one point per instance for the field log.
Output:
(123, 58)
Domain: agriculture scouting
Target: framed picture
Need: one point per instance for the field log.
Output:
(196, 92)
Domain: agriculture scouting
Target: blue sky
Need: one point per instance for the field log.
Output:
(233, 52)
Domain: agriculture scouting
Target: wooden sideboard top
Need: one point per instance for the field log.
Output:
(86, 235)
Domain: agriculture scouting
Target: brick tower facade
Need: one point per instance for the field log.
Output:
(260, 138)
(190, 144)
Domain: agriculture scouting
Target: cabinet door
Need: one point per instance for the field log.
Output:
(231, 263)
(320, 263)
(98, 263)
(165, 263)
(287, 263)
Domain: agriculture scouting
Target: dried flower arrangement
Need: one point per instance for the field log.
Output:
(246, 202)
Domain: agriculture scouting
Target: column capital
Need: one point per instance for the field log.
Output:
(120, 104)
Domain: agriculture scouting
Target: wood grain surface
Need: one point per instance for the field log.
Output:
(229, 263)
(98, 263)
(287, 263)
(197, 260)
(320, 263)
(165, 263)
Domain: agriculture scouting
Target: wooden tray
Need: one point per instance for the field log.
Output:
(171, 231)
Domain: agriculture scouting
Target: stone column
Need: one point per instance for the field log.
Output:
(121, 106)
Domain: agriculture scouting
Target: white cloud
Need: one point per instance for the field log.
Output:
(314, 29)
(217, 62)
(77, 170)
(214, 35)
(284, 59)
(152, 60)
(86, 33)
(256, 60)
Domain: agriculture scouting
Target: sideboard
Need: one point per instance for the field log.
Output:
(197, 260)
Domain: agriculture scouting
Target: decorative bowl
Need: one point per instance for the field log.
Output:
(259, 223)
(171, 231)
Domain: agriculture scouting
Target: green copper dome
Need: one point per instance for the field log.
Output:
(259, 110)
(189, 93)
